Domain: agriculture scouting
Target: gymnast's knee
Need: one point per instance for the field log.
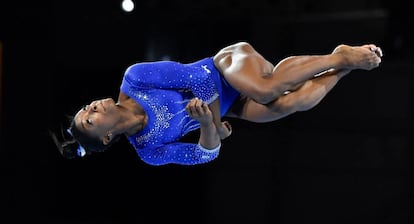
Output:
(244, 47)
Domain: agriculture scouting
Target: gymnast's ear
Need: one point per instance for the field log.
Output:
(107, 138)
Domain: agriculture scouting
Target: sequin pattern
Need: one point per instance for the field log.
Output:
(164, 89)
(162, 118)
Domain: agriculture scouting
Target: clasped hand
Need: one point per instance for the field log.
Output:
(199, 110)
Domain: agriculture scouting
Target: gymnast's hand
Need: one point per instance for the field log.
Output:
(198, 110)
(225, 130)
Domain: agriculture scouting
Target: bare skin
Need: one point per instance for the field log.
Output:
(297, 83)
(106, 118)
(252, 75)
(198, 110)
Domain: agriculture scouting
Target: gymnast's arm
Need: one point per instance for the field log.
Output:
(172, 75)
(184, 153)
(200, 111)
(178, 153)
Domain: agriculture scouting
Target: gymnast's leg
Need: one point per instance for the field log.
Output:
(304, 98)
(256, 78)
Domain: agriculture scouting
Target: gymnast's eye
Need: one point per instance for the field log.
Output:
(84, 107)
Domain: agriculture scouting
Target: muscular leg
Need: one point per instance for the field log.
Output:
(304, 98)
(255, 77)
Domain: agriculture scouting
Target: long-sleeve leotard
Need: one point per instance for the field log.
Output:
(164, 88)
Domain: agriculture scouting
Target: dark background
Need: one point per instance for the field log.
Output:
(345, 161)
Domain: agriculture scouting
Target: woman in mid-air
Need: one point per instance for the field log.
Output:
(160, 102)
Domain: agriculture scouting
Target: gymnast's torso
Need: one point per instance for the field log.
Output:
(163, 89)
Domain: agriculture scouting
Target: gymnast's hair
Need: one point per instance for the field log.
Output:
(73, 143)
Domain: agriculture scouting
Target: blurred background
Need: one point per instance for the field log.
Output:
(345, 161)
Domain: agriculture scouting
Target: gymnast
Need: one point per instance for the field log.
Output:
(160, 102)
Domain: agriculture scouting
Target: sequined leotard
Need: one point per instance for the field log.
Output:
(164, 88)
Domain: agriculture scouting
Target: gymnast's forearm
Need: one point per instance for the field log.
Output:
(216, 111)
(209, 137)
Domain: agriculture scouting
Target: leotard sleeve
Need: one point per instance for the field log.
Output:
(178, 153)
(173, 75)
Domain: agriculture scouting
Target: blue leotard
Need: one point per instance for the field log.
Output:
(163, 89)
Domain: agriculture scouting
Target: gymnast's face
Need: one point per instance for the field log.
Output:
(97, 118)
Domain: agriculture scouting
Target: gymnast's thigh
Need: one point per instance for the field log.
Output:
(246, 108)
(246, 71)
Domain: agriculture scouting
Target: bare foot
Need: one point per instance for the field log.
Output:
(366, 57)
